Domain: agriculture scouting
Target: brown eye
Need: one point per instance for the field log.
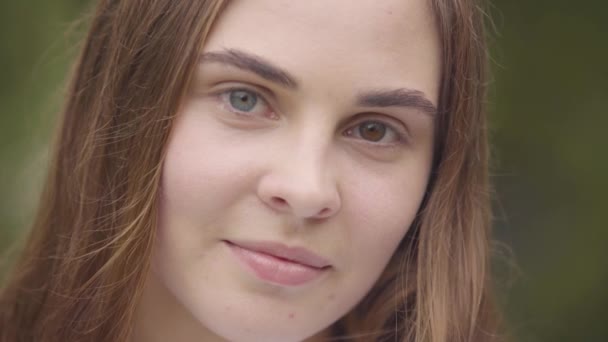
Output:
(376, 132)
(372, 130)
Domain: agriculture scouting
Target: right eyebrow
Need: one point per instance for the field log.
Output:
(251, 63)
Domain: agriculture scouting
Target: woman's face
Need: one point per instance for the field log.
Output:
(296, 165)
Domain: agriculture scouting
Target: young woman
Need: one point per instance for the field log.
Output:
(266, 170)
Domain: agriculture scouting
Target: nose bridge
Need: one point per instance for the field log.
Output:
(302, 180)
(308, 162)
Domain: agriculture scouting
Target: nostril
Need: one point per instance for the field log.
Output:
(279, 201)
(324, 212)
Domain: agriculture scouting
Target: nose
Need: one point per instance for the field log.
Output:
(301, 184)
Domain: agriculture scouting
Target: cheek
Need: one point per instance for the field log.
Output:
(379, 216)
(202, 173)
(189, 182)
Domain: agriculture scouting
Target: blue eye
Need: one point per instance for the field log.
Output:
(243, 100)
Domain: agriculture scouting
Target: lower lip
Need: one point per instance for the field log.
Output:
(275, 270)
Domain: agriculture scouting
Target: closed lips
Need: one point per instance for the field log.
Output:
(280, 251)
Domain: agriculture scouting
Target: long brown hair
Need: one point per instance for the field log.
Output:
(85, 261)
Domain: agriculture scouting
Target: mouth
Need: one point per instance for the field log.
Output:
(278, 264)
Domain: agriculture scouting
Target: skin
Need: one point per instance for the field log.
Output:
(295, 169)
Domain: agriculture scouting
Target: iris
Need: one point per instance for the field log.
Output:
(372, 130)
(243, 100)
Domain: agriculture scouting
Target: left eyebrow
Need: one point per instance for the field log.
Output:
(401, 97)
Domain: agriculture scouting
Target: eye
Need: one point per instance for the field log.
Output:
(245, 102)
(242, 100)
(375, 131)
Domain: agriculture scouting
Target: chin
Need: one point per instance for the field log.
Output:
(235, 332)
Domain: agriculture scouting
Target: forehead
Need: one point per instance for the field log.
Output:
(382, 43)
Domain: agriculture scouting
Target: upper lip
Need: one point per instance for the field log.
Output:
(300, 255)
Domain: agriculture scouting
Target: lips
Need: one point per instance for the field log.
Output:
(279, 264)
(294, 254)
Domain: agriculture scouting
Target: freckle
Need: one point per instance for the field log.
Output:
(332, 296)
(291, 315)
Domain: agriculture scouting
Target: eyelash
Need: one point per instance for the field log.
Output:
(224, 97)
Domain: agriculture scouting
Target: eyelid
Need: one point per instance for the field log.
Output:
(261, 91)
(399, 128)
(261, 98)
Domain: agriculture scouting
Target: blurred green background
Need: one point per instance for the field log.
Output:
(548, 126)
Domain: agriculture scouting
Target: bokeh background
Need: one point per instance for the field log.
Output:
(549, 128)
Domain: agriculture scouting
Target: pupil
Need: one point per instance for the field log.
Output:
(243, 100)
(373, 131)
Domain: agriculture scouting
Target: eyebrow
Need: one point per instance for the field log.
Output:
(252, 63)
(402, 97)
